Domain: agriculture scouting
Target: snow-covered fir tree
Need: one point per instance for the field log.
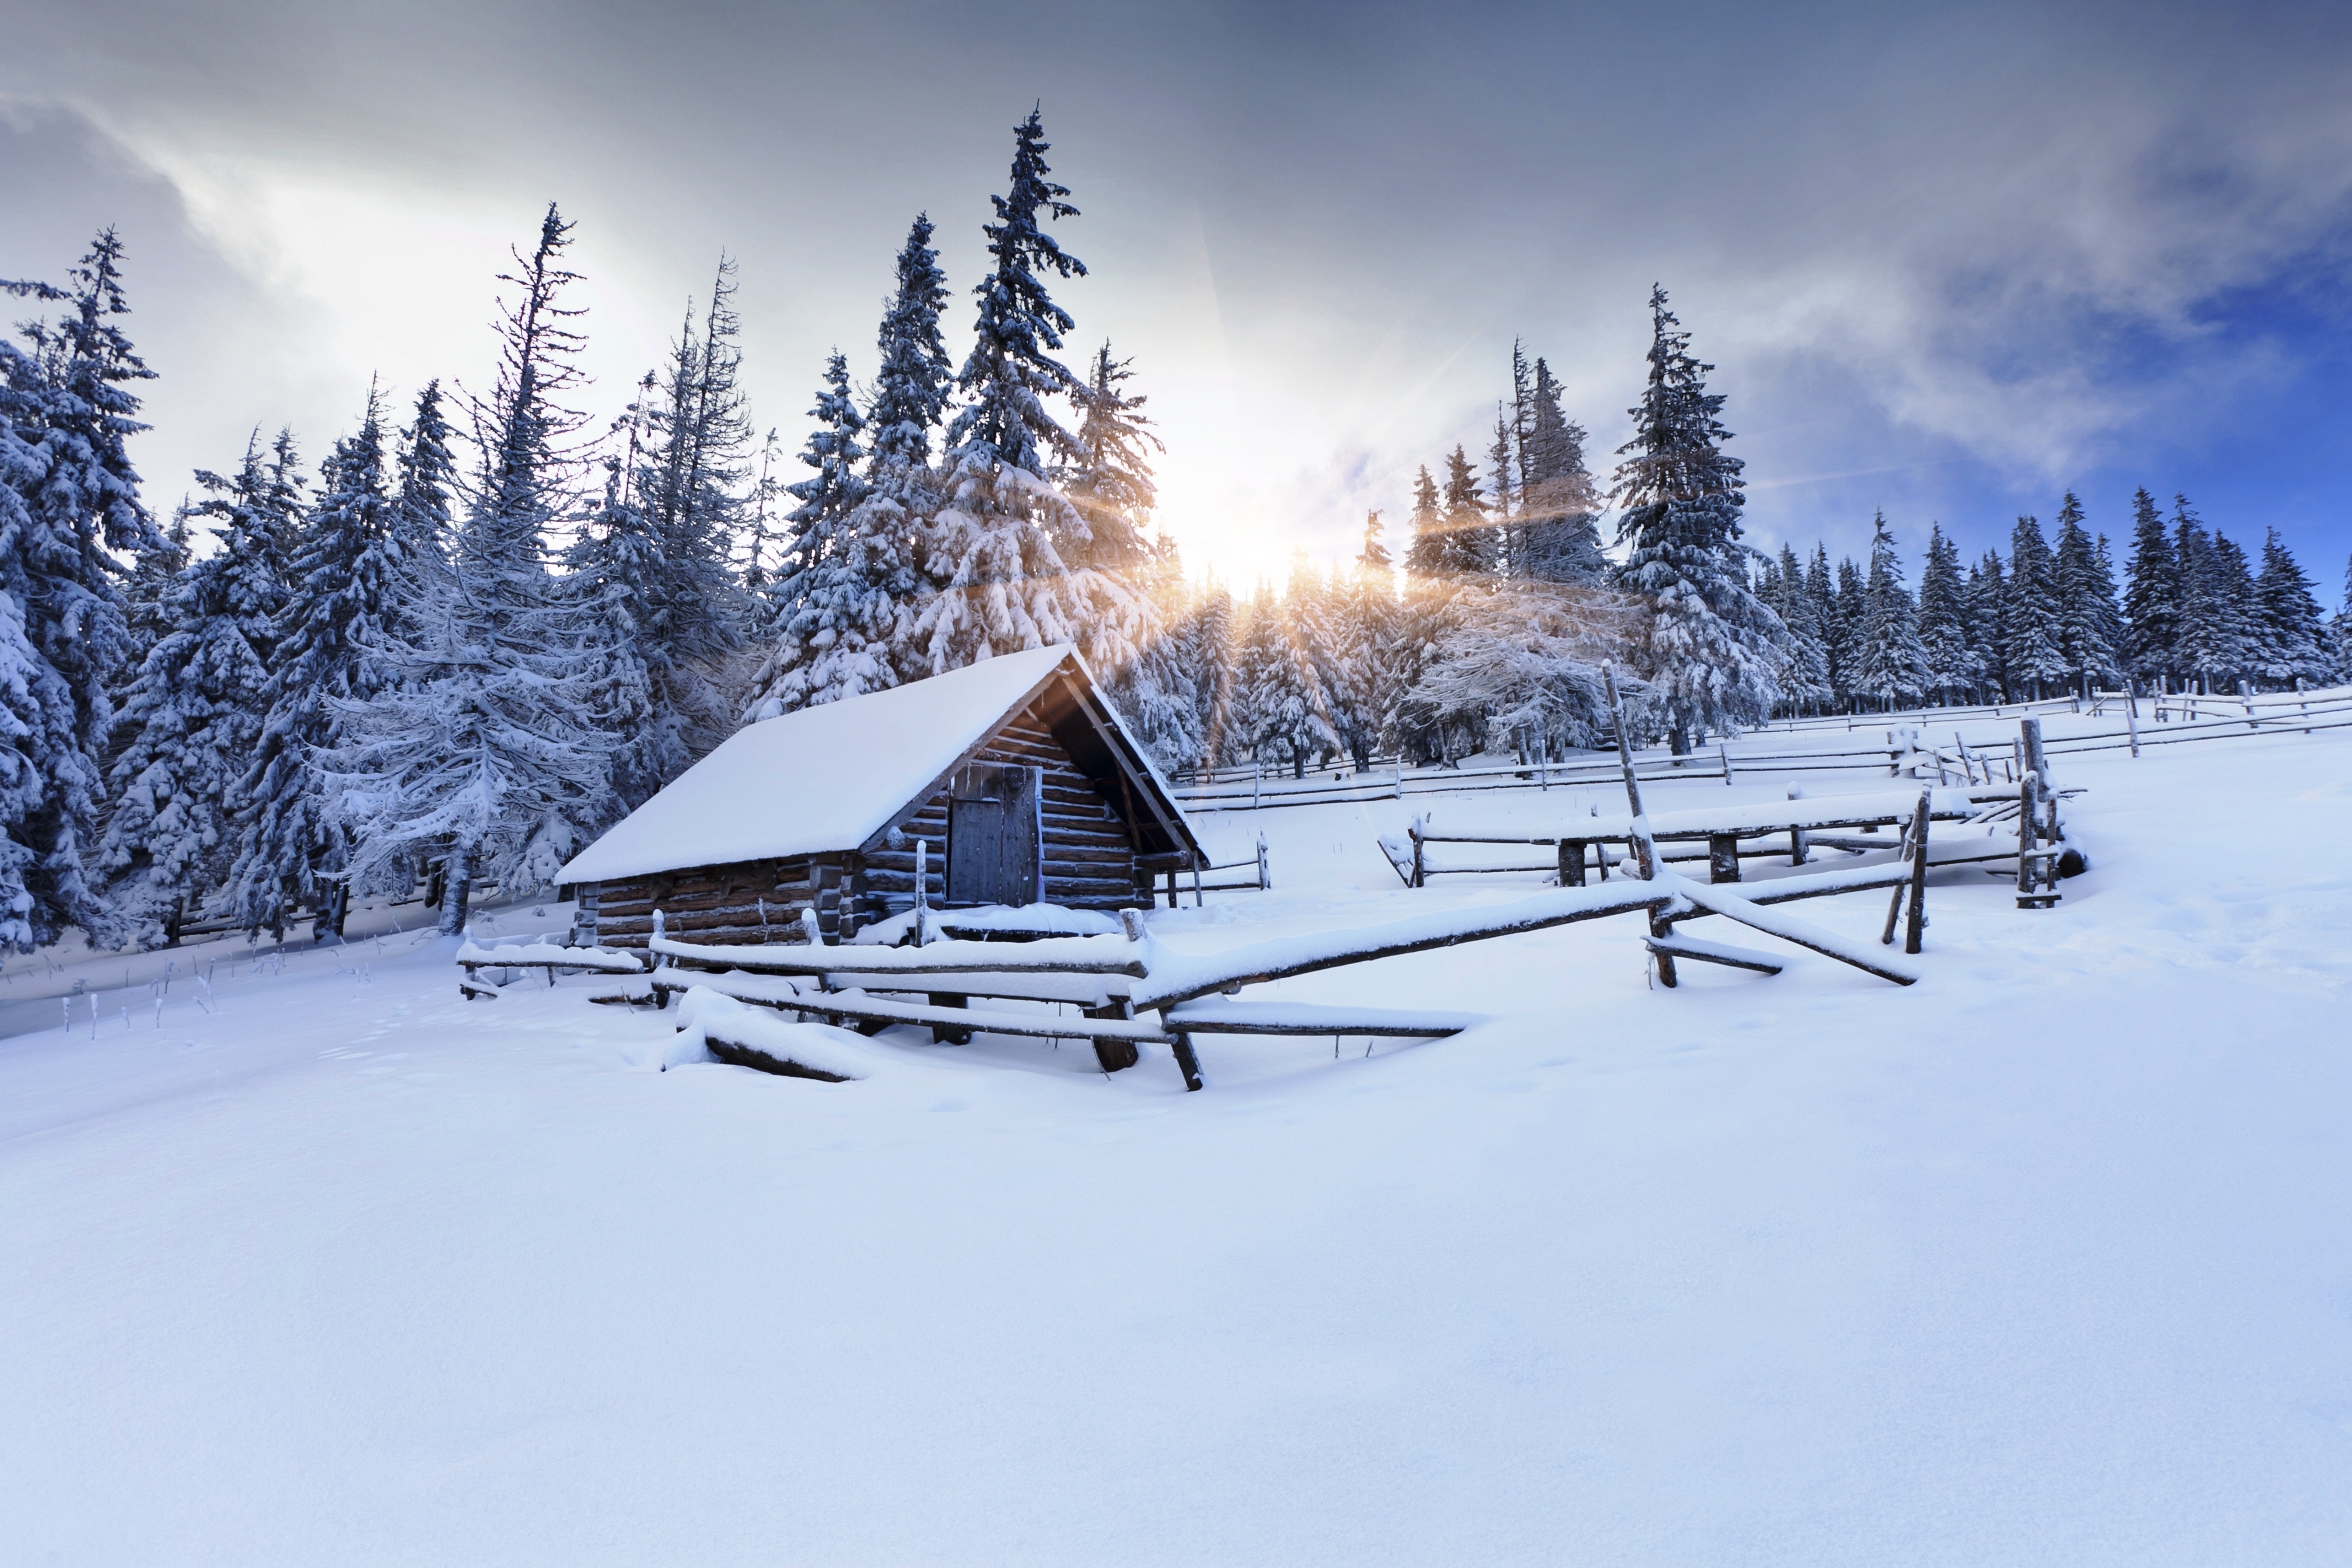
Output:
(1890, 666)
(1560, 507)
(2294, 640)
(1469, 547)
(68, 498)
(688, 482)
(1709, 652)
(1944, 641)
(2089, 625)
(342, 582)
(846, 580)
(1278, 708)
(996, 579)
(1361, 657)
(614, 570)
(1426, 555)
(194, 716)
(2030, 652)
(1215, 651)
(2152, 601)
(485, 751)
(1988, 604)
(1805, 679)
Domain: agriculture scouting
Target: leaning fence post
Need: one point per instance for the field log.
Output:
(1915, 927)
(1645, 848)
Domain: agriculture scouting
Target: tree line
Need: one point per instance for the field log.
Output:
(487, 629)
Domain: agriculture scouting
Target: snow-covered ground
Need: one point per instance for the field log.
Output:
(2046, 1260)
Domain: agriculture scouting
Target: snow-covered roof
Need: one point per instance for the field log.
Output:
(823, 779)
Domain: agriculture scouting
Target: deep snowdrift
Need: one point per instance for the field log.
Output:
(2046, 1259)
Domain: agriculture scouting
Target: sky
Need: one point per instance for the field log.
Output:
(1947, 262)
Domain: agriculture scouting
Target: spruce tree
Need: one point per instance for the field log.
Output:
(1710, 651)
(2295, 640)
(1806, 680)
(2031, 647)
(614, 570)
(1849, 614)
(69, 499)
(1470, 547)
(1214, 656)
(846, 583)
(484, 749)
(1108, 479)
(1560, 508)
(1425, 557)
(1893, 666)
(194, 718)
(2089, 625)
(1944, 618)
(342, 582)
(2238, 609)
(1502, 470)
(689, 474)
(2152, 602)
(996, 577)
(1988, 606)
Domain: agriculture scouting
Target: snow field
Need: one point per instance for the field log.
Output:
(2047, 1259)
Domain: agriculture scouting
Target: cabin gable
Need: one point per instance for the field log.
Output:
(1080, 853)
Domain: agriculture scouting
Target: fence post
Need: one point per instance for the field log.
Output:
(1257, 781)
(1915, 927)
(1264, 880)
(1400, 776)
(1724, 751)
(2131, 712)
(2246, 700)
(1645, 848)
(1419, 871)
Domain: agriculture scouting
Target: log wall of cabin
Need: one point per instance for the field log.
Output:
(751, 902)
(1088, 863)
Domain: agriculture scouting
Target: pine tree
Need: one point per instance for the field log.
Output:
(1944, 618)
(1157, 695)
(2089, 626)
(1502, 470)
(910, 395)
(1849, 613)
(1277, 704)
(614, 571)
(2031, 649)
(1560, 508)
(1711, 651)
(2152, 602)
(1805, 681)
(1988, 604)
(1893, 666)
(996, 576)
(688, 482)
(2295, 642)
(2217, 620)
(1361, 665)
(485, 749)
(846, 583)
(1214, 656)
(68, 497)
(195, 715)
(1109, 478)
(1470, 546)
(342, 584)
(1425, 556)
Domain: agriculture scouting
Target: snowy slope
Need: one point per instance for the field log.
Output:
(2046, 1260)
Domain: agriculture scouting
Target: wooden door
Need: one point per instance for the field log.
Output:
(995, 821)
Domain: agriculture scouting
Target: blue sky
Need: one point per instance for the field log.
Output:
(1951, 262)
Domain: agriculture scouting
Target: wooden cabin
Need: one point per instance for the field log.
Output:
(1011, 782)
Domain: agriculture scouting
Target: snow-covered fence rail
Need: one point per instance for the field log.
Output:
(547, 957)
(1722, 837)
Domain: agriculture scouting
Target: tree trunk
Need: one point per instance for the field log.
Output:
(457, 885)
